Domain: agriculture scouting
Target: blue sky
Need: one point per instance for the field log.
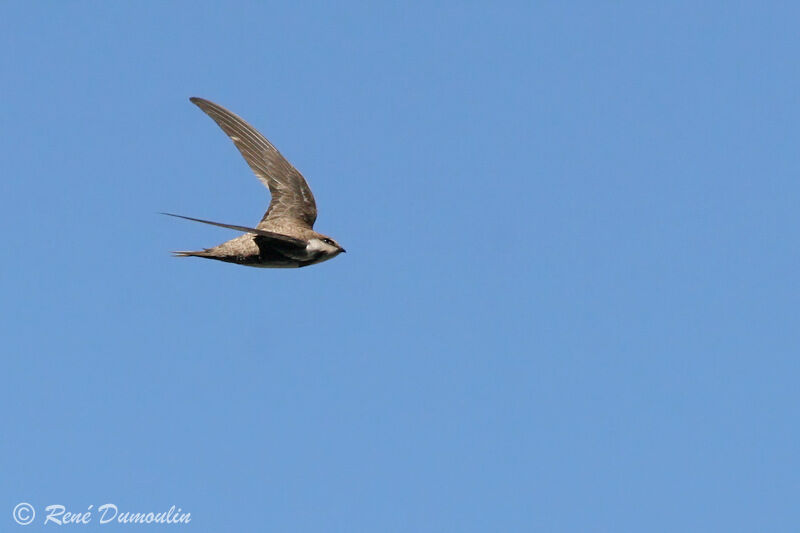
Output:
(569, 301)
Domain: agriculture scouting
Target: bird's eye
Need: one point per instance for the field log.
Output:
(327, 241)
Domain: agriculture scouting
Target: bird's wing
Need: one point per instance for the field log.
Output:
(285, 239)
(291, 197)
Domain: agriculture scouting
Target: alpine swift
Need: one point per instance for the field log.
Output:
(284, 238)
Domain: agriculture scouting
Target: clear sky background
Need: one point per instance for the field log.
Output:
(569, 302)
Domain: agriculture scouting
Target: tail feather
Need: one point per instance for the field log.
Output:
(203, 253)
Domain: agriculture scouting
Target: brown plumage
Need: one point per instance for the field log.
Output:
(285, 237)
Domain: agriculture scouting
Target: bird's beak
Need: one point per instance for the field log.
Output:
(343, 250)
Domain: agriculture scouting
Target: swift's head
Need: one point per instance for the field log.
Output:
(325, 246)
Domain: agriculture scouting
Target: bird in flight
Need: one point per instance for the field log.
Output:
(285, 237)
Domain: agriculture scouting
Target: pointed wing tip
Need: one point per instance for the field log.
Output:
(181, 216)
(199, 102)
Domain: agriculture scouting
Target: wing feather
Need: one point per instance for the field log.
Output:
(291, 196)
(263, 233)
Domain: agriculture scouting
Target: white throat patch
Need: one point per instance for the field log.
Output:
(317, 245)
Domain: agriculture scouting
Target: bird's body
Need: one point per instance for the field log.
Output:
(255, 250)
(285, 237)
